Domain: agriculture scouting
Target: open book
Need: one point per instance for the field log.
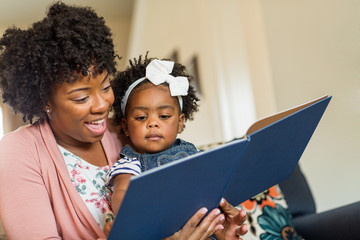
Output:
(160, 201)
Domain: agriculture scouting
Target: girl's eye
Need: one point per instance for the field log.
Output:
(163, 117)
(80, 100)
(141, 118)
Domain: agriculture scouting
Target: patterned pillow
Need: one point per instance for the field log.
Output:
(268, 217)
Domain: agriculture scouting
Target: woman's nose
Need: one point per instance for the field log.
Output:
(100, 104)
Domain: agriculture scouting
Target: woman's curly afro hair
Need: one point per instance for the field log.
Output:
(61, 47)
(136, 70)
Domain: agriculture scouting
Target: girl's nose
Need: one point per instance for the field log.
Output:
(153, 123)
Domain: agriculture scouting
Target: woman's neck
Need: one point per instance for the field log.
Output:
(92, 153)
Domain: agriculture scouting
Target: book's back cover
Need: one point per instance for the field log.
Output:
(159, 202)
(273, 153)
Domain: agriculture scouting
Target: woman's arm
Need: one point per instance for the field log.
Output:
(25, 209)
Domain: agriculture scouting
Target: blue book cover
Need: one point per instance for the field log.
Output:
(160, 201)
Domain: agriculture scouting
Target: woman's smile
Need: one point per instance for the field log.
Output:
(96, 127)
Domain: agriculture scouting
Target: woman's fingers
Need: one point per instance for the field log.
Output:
(190, 226)
(209, 225)
(192, 230)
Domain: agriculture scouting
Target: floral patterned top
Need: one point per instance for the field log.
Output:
(89, 181)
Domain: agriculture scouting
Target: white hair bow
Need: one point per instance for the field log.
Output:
(158, 72)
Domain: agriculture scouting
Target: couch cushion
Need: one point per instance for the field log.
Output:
(268, 216)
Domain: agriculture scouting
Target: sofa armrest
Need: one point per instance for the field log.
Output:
(298, 194)
(339, 223)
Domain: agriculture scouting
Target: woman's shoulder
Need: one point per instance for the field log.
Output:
(23, 133)
(25, 140)
(18, 147)
(28, 132)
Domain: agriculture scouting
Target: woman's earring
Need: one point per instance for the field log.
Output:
(47, 110)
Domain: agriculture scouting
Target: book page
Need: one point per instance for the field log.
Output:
(276, 117)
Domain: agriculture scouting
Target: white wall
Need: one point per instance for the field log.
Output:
(258, 57)
(314, 49)
(213, 31)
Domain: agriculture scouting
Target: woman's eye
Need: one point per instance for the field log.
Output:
(80, 100)
(105, 89)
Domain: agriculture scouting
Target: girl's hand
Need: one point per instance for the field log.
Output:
(192, 230)
(234, 226)
(108, 227)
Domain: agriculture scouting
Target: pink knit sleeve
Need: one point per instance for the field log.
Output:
(25, 208)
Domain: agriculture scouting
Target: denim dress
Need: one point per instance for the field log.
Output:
(179, 149)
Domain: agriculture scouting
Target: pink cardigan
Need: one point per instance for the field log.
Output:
(37, 198)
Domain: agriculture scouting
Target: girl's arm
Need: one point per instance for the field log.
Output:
(121, 183)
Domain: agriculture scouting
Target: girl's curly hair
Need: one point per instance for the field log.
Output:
(61, 47)
(136, 70)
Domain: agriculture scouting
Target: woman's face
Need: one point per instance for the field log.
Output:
(78, 111)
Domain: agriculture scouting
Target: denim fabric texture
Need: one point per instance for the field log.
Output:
(179, 149)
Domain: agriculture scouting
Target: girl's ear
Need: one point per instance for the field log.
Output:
(124, 126)
(181, 122)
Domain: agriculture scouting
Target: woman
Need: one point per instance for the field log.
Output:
(57, 75)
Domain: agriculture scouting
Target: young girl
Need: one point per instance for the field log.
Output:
(153, 100)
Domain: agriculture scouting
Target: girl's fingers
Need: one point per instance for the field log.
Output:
(231, 211)
(108, 227)
(241, 230)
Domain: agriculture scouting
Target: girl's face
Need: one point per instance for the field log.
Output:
(153, 118)
(78, 111)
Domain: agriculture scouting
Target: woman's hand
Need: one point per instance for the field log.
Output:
(234, 226)
(228, 227)
(192, 230)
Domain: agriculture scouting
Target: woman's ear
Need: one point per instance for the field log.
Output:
(181, 122)
(124, 126)
(48, 110)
